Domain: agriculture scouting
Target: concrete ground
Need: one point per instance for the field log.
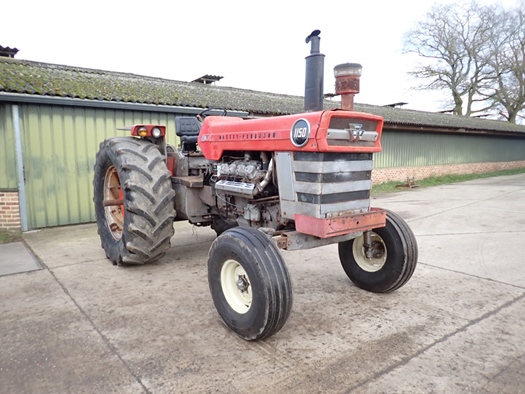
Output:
(15, 257)
(81, 325)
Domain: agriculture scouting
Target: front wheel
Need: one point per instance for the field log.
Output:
(393, 261)
(249, 283)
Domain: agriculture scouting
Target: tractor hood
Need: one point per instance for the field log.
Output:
(322, 131)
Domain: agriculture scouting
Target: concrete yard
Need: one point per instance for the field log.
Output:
(82, 325)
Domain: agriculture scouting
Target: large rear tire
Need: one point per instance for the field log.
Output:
(394, 260)
(249, 283)
(133, 201)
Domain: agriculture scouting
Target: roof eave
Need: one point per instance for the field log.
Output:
(74, 102)
(454, 130)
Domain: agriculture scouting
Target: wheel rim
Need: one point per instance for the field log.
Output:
(236, 286)
(378, 260)
(114, 213)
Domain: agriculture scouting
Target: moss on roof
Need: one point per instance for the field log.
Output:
(34, 78)
(27, 77)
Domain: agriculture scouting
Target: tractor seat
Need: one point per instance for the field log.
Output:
(188, 129)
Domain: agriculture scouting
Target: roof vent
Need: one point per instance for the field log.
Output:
(208, 79)
(394, 105)
(8, 52)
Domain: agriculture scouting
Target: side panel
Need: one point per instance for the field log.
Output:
(285, 176)
(188, 203)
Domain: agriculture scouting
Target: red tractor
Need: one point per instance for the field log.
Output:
(288, 182)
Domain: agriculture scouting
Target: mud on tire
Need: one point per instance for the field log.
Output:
(136, 225)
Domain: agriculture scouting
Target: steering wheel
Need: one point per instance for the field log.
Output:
(203, 114)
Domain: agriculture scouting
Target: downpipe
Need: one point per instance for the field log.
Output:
(266, 180)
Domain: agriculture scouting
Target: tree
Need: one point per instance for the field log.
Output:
(507, 62)
(474, 52)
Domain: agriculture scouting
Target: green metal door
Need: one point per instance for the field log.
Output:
(59, 149)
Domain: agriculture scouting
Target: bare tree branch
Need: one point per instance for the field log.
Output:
(507, 62)
(474, 52)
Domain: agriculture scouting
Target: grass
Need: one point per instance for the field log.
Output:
(7, 236)
(390, 187)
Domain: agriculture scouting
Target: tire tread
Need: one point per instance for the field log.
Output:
(274, 272)
(397, 272)
(409, 247)
(148, 200)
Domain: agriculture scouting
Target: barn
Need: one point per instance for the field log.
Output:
(53, 117)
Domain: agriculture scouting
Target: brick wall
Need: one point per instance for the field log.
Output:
(9, 211)
(381, 175)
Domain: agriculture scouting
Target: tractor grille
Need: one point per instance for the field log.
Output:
(324, 185)
(354, 132)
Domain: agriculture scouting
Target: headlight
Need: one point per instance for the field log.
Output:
(156, 132)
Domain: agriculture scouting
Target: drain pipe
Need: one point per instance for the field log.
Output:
(20, 166)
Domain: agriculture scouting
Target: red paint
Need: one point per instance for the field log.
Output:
(149, 127)
(326, 228)
(170, 163)
(219, 133)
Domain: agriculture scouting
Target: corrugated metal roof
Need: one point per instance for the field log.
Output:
(35, 78)
(422, 119)
(27, 77)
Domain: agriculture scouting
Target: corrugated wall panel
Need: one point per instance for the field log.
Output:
(8, 175)
(60, 145)
(411, 149)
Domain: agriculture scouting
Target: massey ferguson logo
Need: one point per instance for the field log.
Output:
(300, 132)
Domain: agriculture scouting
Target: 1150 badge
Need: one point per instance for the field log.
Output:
(300, 132)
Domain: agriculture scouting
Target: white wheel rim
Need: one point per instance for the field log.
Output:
(236, 286)
(373, 264)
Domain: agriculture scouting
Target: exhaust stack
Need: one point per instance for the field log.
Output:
(314, 79)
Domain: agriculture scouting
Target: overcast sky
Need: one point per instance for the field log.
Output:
(256, 45)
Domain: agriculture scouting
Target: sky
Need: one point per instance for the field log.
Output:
(257, 45)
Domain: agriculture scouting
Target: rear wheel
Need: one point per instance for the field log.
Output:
(393, 261)
(133, 201)
(249, 283)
